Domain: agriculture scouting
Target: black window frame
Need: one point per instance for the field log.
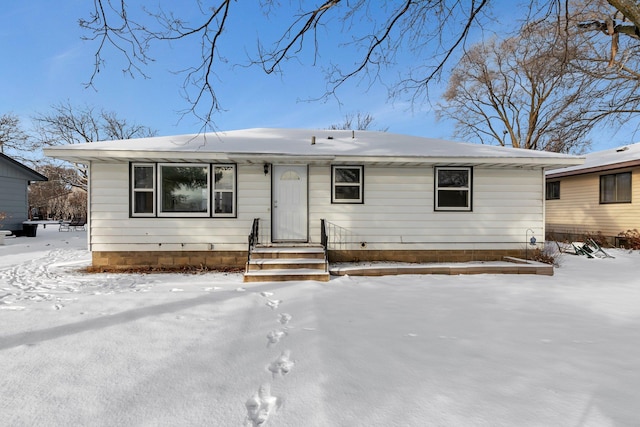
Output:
(437, 189)
(360, 185)
(616, 177)
(157, 188)
(552, 190)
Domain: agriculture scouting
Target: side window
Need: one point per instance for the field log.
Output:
(143, 189)
(224, 190)
(347, 184)
(615, 188)
(553, 190)
(453, 188)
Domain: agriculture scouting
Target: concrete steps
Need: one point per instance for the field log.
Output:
(284, 263)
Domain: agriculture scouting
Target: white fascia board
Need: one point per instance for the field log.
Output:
(542, 162)
(84, 156)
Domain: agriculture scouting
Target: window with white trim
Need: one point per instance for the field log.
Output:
(347, 184)
(183, 190)
(143, 189)
(224, 190)
(453, 188)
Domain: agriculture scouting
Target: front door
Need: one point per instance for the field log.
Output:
(289, 203)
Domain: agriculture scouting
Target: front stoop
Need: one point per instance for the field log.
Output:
(284, 263)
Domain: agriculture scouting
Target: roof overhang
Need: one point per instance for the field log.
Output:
(594, 169)
(89, 156)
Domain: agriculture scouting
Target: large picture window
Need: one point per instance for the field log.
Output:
(183, 190)
(347, 184)
(615, 188)
(453, 188)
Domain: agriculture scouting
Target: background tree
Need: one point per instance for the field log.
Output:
(14, 141)
(67, 124)
(522, 92)
(431, 31)
(356, 121)
(56, 198)
(547, 87)
(614, 60)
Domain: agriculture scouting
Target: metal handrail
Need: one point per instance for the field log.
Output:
(253, 238)
(324, 241)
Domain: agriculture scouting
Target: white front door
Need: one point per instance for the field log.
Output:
(289, 203)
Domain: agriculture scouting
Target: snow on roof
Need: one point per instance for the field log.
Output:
(612, 158)
(308, 143)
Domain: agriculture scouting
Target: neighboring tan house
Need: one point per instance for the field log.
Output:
(601, 196)
(195, 199)
(14, 184)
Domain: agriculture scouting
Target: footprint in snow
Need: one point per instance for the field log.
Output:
(260, 406)
(282, 365)
(273, 304)
(240, 290)
(274, 337)
(284, 318)
(177, 290)
(266, 294)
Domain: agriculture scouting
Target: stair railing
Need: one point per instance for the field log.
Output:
(253, 238)
(324, 241)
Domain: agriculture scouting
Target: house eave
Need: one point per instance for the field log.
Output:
(87, 156)
(595, 169)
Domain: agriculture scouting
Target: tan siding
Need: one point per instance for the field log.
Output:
(579, 210)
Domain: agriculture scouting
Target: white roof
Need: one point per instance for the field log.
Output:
(272, 145)
(613, 158)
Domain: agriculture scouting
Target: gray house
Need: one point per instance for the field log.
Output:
(14, 182)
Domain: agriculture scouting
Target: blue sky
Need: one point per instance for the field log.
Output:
(45, 62)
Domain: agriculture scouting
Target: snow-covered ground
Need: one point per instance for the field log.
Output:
(208, 350)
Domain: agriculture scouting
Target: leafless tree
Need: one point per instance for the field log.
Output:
(14, 141)
(363, 121)
(434, 32)
(377, 33)
(67, 124)
(56, 198)
(612, 58)
(523, 91)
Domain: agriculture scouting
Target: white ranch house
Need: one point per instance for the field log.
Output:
(194, 199)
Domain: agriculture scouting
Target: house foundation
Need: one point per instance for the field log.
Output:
(127, 260)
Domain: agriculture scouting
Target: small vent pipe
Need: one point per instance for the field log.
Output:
(313, 140)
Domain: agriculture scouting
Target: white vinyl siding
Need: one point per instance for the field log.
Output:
(399, 210)
(112, 229)
(398, 213)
